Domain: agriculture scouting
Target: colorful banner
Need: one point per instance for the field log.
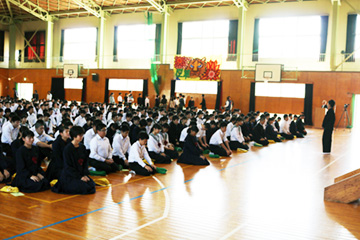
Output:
(188, 68)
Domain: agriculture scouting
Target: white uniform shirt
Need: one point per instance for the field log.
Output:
(154, 144)
(80, 121)
(119, 99)
(183, 134)
(218, 138)
(236, 135)
(229, 127)
(285, 127)
(100, 148)
(89, 135)
(138, 153)
(201, 132)
(31, 119)
(9, 133)
(121, 145)
(147, 102)
(41, 138)
(2, 122)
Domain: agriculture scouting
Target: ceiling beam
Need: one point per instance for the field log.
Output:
(241, 3)
(5, 20)
(32, 8)
(9, 8)
(157, 6)
(90, 6)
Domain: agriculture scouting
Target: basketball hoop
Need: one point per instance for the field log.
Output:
(266, 81)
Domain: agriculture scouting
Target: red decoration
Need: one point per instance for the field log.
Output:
(212, 71)
(81, 161)
(34, 159)
(181, 62)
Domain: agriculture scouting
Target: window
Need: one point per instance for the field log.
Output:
(79, 44)
(126, 84)
(290, 37)
(136, 41)
(357, 39)
(205, 38)
(2, 43)
(37, 43)
(73, 83)
(201, 87)
(285, 90)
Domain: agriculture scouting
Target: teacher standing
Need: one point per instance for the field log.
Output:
(328, 125)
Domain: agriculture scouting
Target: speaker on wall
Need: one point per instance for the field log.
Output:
(95, 77)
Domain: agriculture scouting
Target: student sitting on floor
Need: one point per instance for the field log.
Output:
(169, 147)
(9, 134)
(29, 175)
(236, 137)
(219, 144)
(156, 148)
(192, 154)
(285, 128)
(121, 146)
(5, 175)
(74, 178)
(259, 132)
(138, 153)
(89, 135)
(300, 125)
(57, 161)
(271, 131)
(293, 128)
(43, 141)
(100, 151)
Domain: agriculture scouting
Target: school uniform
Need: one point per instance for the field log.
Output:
(216, 139)
(271, 133)
(237, 139)
(259, 133)
(285, 130)
(164, 137)
(49, 128)
(6, 164)
(191, 152)
(56, 164)
(26, 166)
(100, 150)
(229, 127)
(31, 119)
(155, 148)
(43, 152)
(328, 126)
(75, 167)
(276, 124)
(294, 131)
(137, 154)
(301, 126)
(183, 135)
(121, 148)
(174, 133)
(9, 134)
(2, 122)
(80, 121)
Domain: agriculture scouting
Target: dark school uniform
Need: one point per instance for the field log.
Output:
(75, 167)
(191, 152)
(27, 166)
(56, 164)
(259, 133)
(328, 126)
(271, 134)
(294, 131)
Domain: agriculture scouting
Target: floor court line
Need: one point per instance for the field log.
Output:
(165, 214)
(112, 205)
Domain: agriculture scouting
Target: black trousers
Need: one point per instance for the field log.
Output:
(262, 142)
(217, 149)
(234, 145)
(7, 149)
(326, 140)
(276, 139)
(159, 158)
(173, 154)
(103, 166)
(138, 169)
(120, 161)
(287, 136)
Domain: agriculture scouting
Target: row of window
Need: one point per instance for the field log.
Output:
(286, 37)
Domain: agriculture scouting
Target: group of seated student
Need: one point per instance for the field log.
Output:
(70, 138)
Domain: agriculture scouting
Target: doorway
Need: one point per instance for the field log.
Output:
(25, 90)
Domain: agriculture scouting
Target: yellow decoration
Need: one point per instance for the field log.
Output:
(53, 182)
(9, 189)
(102, 182)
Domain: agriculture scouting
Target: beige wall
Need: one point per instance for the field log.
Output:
(319, 7)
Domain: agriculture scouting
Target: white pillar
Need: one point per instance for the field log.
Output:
(164, 32)
(334, 26)
(240, 38)
(100, 55)
(12, 45)
(49, 43)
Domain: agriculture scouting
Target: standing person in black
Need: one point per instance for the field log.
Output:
(36, 96)
(191, 102)
(203, 103)
(181, 102)
(157, 101)
(328, 125)
(140, 101)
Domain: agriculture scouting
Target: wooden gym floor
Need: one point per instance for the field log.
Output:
(275, 192)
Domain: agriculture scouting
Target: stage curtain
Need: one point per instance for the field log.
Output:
(252, 97)
(308, 102)
(106, 99)
(57, 88)
(218, 96)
